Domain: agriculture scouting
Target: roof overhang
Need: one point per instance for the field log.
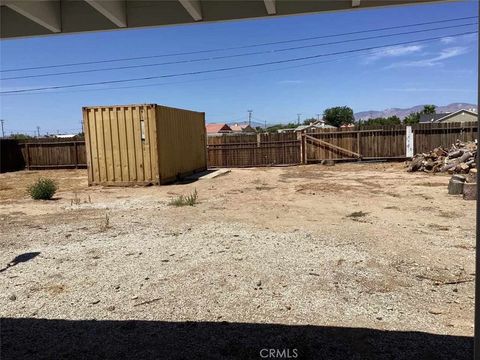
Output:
(23, 18)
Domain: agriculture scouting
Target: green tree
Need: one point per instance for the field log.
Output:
(414, 118)
(20, 136)
(391, 120)
(339, 115)
(308, 121)
(276, 127)
(429, 109)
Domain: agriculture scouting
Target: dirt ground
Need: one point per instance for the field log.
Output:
(353, 246)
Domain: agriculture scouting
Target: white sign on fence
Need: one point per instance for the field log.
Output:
(409, 142)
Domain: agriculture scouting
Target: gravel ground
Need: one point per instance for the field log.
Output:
(351, 261)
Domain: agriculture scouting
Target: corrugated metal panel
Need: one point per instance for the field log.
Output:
(121, 145)
(143, 144)
(182, 142)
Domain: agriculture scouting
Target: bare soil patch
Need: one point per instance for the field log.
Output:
(266, 245)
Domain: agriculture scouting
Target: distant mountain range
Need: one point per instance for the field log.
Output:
(253, 124)
(401, 113)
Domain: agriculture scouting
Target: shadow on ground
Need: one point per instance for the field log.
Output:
(20, 259)
(27, 338)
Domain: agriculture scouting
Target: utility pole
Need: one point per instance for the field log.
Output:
(38, 131)
(249, 117)
(3, 131)
(318, 117)
(298, 119)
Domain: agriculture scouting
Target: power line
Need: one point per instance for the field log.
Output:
(239, 47)
(231, 67)
(190, 80)
(235, 55)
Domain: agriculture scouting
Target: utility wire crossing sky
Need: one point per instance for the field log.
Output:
(426, 63)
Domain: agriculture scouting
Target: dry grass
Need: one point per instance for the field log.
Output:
(105, 224)
(185, 200)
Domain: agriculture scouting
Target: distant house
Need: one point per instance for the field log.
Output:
(461, 115)
(427, 118)
(314, 127)
(245, 128)
(326, 126)
(64, 136)
(217, 129)
(285, 130)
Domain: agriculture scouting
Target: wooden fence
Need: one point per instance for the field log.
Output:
(54, 154)
(381, 142)
(354, 143)
(239, 150)
(429, 136)
(232, 150)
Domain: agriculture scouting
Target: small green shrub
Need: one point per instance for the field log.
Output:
(182, 200)
(42, 189)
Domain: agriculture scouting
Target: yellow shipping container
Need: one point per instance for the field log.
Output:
(143, 144)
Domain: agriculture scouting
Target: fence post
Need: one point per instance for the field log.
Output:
(76, 155)
(358, 146)
(300, 141)
(409, 144)
(304, 148)
(27, 153)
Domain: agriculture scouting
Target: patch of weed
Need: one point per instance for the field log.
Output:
(185, 200)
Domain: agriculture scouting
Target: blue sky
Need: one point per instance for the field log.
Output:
(438, 72)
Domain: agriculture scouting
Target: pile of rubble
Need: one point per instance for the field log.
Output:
(459, 159)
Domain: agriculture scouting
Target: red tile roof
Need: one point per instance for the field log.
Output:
(217, 128)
